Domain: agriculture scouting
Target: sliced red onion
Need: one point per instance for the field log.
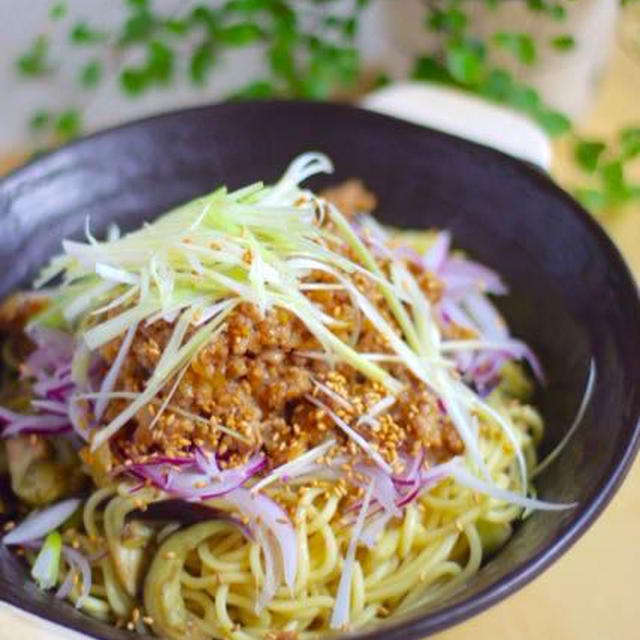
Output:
(206, 462)
(137, 487)
(467, 479)
(39, 425)
(261, 509)
(39, 523)
(372, 234)
(370, 417)
(7, 416)
(464, 302)
(354, 435)
(450, 311)
(52, 406)
(54, 347)
(192, 484)
(272, 572)
(109, 381)
(409, 254)
(489, 322)
(461, 274)
(173, 461)
(78, 418)
(67, 585)
(340, 400)
(340, 615)
(426, 479)
(497, 350)
(78, 563)
(412, 475)
(385, 492)
(374, 528)
(438, 252)
(302, 465)
(54, 389)
(410, 496)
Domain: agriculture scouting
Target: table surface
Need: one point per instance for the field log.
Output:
(591, 592)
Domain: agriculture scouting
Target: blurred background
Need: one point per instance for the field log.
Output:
(568, 69)
(554, 82)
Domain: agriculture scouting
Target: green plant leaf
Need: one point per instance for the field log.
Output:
(464, 63)
(251, 6)
(592, 199)
(521, 45)
(133, 81)
(34, 63)
(260, 89)
(282, 60)
(177, 27)
(430, 69)
(205, 16)
(629, 143)
(68, 124)
(381, 80)
(82, 34)
(137, 28)
(160, 62)
(329, 66)
(613, 182)
(613, 175)
(524, 99)
(248, 6)
(39, 120)
(564, 42)
(536, 5)
(240, 34)
(451, 20)
(58, 11)
(497, 85)
(91, 74)
(201, 62)
(553, 122)
(557, 11)
(587, 154)
(349, 27)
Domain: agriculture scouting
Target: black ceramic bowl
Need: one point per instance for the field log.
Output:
(572, 298)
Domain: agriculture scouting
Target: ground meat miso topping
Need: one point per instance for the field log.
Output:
(251, 388)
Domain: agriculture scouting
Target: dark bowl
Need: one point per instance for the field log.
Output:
(572, 297)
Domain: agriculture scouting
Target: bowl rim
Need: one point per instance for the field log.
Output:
(425, 624)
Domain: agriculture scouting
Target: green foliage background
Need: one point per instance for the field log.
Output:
(311, 53)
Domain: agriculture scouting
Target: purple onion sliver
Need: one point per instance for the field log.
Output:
(65, 588)
(40, 523)
(437, 253)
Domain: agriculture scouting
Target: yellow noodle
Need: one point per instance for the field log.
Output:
(204, 580)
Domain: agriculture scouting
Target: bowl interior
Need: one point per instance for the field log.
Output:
(571, 296)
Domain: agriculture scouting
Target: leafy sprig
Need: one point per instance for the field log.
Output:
(606, 164)
(310, 51)
(309, 48)
(463, 61)
(34, 62)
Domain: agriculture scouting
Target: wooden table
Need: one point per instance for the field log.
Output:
(592, 592)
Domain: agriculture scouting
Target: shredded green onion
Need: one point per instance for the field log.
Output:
(47, 565)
